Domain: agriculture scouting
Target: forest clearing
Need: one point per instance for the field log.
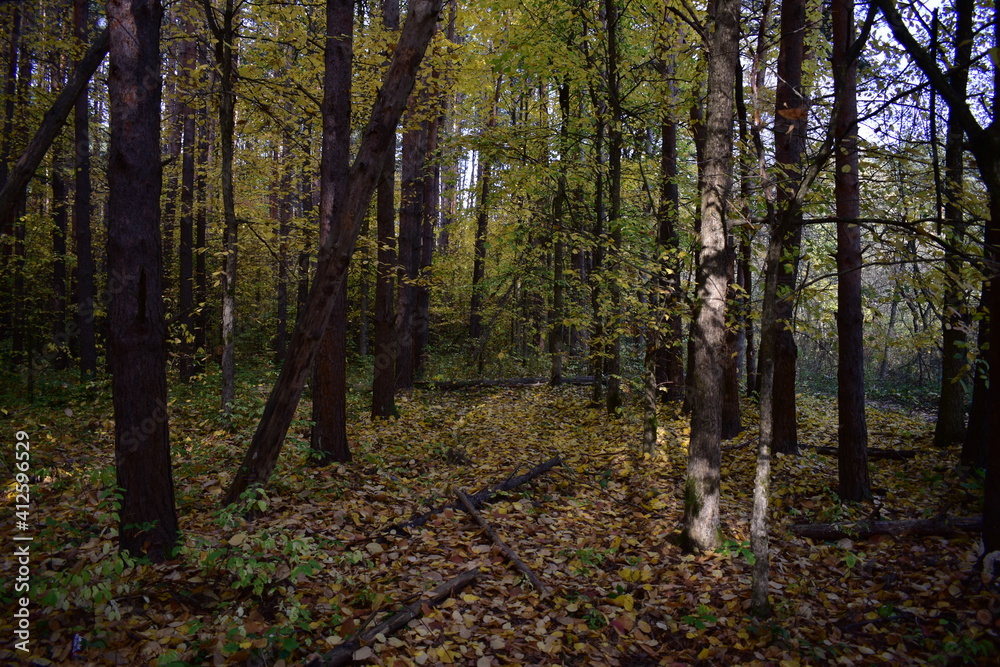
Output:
(315, 567)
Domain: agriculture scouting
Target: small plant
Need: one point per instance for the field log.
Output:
(742, 548)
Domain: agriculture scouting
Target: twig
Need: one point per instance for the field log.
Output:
(507, 551)
(344, 653)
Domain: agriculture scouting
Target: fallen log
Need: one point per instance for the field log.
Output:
(515, 560)
(862, 530)
(344, 653)
(478, 499)
(453, 385)
(874, 453)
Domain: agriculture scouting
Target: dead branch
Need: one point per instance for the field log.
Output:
(453, 385)
(862, 530)
(344, 653)
(481, 497)
(874, 453)
(521, 566)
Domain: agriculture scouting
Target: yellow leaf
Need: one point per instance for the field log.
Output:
(626, 602)
(705, 652)
(468, 597)
(237, 539)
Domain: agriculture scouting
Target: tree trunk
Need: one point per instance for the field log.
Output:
(701, 502)
(329, 395)
(225, 38)
(731, 424)
(284, 203)
(950, 427)
(853, 429)
(201, 319)
(614, 396)
(265, 446)
(428, 224)
(84, 271)
(148, 519)
(410, 220)
(384, 377)
(60, 220)
(482, 223)
(185, 249)
(790, 121)
(669, 360)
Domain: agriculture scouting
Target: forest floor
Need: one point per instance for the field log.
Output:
(313, 567)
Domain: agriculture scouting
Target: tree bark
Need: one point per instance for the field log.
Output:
(701, 502)
(411, 207)
(224, 34)
(329, 388)
(482, 222)
(185, 249)
(854, 483)
(669, 351)
(84, 271)
(384, 375)
(950, 427)
(373, 152)
(137, 330)
(790, 122)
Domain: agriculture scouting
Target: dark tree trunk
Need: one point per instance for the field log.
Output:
(185, 249)
(60, 220)
(329, 433)
(148, 520)
(701, 500)
(84, 271)
(384, 376)
(429, 216)
(790, 121)
(411, 208)
(669, 360)
(853, 429)
(262, 454)
(201, 319)
(224, 33)
(977, 434)
(614, 396)
(950, 427)
(284, 203)
(731, 424)
(482, 224)
(556, 329)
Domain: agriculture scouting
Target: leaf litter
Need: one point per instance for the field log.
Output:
(314, 567)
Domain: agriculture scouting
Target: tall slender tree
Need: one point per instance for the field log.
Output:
(853, 429)
(329, 406)
(790, 122)
(701, 500)
(384, 376)
(136, 326)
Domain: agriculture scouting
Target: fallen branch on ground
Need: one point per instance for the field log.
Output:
(344, 653)
(874, 453)
(478, 499)
(507, 551)
(452, 385)
(862, 530)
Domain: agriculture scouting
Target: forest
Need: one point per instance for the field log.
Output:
(615, 332)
